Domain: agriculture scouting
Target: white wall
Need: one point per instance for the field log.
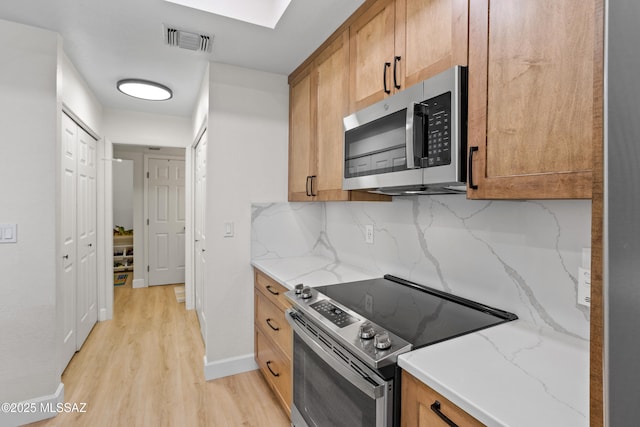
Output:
(29, 131)
(78, 98)
(519, 256)
(246, 162)
(130, 127)
(201, 109)
(123, 193)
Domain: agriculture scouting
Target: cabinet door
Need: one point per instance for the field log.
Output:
(534, 69)
(421, 406)
(371, 52)
(300, 138)
(275, 367)
(431, 36)
(331, 98)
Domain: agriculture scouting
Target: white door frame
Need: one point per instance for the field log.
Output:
(105, 227)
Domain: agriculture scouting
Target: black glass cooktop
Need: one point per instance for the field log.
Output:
(418, 314)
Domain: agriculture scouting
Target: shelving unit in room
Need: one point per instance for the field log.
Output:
(122, 253)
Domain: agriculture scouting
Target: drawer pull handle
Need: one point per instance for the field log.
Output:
(271, 291)
(271, 370)
(275, 328)
(435, 407)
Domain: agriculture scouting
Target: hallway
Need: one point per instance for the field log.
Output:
(145, 368)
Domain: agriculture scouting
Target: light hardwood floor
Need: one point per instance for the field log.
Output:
(145, 368)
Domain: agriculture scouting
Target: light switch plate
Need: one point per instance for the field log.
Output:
(228, 229)
(584, 287)
(8, 233)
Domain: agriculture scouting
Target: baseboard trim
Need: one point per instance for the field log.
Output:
(138, 283)
(231, 366)
(102, 315)
(39, 409)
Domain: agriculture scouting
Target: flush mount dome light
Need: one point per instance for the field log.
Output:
(144, 89)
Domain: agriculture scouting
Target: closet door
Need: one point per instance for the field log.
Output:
(68, 238)
(199, 246)
(79, 294)
(86, 288)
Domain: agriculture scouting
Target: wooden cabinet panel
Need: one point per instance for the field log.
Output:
(319, 101)
(301, 158)
(531, 97)
(431, 37)
(273, 336)
(332, 98)
(417, 399)
(275, 367)
(371, 47)
(271, 289)
(271, 319)
(412, 39)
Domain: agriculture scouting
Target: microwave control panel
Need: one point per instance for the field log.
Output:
(436, 132)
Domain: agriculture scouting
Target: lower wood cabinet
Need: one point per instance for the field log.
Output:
(273, 337)
(424, 407)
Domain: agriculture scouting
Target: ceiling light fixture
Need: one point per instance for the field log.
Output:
(144, 89)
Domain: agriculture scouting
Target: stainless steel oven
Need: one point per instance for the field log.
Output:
(331, 387)
(347, 338)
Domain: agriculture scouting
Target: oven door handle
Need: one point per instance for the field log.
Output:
(354, 378)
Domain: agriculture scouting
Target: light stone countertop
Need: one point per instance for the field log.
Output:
(310, 270)
(515, 374)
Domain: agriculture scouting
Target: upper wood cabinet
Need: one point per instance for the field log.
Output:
(318, 103)
(397, 43)
(331, 101)
(534, 67)
(301, 155)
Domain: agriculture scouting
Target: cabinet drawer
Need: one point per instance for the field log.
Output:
(275, 367)
(271, 319)
(417, 402)
(273, 290)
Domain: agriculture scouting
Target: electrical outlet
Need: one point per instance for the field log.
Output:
(368, 234)
(584, 287)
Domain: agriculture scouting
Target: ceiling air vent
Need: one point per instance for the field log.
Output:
(187, 39)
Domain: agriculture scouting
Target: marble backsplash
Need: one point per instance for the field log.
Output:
(520, 256)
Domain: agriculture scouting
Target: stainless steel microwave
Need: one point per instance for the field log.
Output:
(413, 142)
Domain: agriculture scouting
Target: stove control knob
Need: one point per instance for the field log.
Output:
(366, 331)
(298, 288)
(306, 293)
(382, 341)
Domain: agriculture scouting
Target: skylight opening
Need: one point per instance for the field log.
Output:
(265, 13)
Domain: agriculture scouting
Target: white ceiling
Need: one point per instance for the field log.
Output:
(108, 40)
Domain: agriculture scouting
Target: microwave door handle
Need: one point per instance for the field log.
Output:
(409, 136)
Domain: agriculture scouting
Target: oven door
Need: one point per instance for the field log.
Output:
(331, 388)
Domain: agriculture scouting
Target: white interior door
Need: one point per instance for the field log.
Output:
(87, 276)
(68, 238)
(166, 233)
(200, 172)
